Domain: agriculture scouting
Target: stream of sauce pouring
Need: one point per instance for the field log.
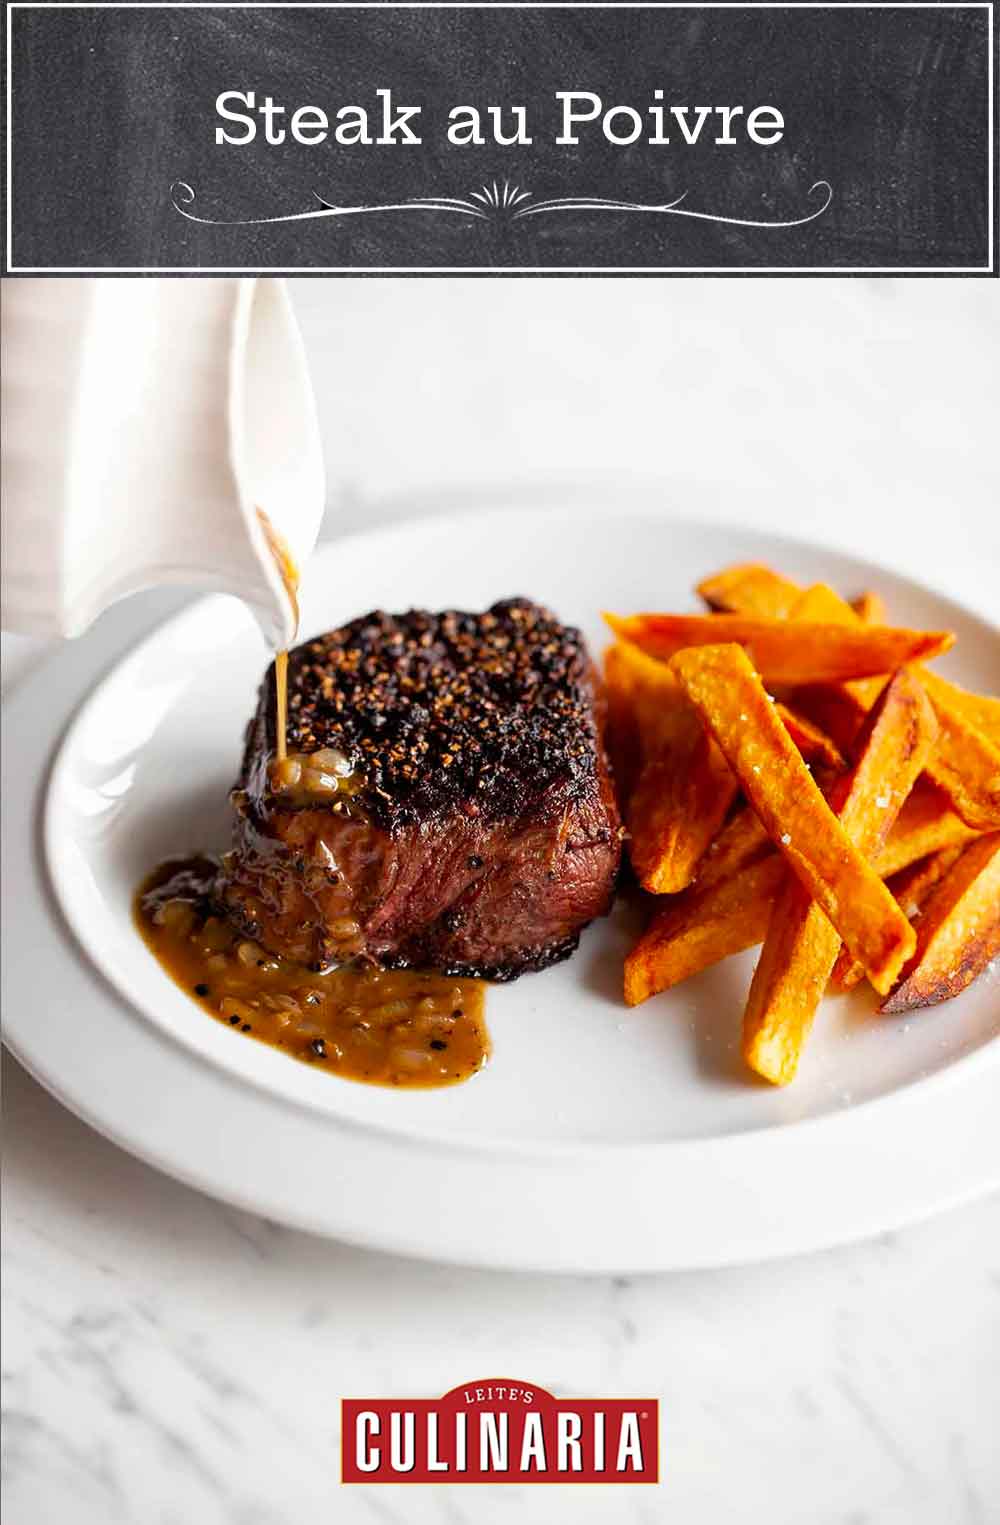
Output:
(289, 574)
(281, 704)
(383, 1026)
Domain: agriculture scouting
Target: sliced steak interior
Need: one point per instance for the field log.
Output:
(446, 802)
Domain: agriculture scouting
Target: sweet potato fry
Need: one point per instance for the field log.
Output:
(910, 888)
(925, 824)
(674, 782)
(979, 710)
(680, 784)
(923, 828)
(643, 696)
(728, 693)
(870, 608)
(966, 763)
(819, 603)
(675, 786)
(679, 803)
(701, 927)
(839, 709)
(798, 955)
(713, 917)
(836, 708)
(645, 683)
(783, 651)
(743, 842)
(647, 710)
(957, 934)
(814, 744)
(740, 842)
(623, 723)
(801, 946)
(847, 973)
(749, 589)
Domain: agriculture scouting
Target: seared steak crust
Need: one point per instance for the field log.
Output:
(482, 834)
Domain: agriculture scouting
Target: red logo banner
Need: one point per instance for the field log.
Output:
(500, 1431)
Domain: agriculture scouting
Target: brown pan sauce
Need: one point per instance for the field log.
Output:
(392, 1027)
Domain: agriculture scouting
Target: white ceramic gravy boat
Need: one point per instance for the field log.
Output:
(144, 424)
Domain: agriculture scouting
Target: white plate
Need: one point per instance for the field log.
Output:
(598, 1138)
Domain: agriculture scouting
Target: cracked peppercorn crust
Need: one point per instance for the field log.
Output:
(480, 833)
(433, 709)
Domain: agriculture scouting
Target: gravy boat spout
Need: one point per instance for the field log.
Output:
(146, 426)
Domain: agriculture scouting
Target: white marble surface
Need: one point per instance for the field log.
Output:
(171, 1361)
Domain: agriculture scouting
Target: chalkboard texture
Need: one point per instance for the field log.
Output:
(883, 159)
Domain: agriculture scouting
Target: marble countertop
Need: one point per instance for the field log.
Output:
(169, 1360)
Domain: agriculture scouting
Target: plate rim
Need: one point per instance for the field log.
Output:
(964, 1070)
(198, 609)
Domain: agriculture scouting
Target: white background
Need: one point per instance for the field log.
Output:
(168, 1359)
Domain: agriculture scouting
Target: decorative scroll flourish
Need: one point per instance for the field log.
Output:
(493, 203)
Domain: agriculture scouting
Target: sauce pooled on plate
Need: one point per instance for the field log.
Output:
(392, 1027)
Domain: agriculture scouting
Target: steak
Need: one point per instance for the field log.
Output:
(446, 802)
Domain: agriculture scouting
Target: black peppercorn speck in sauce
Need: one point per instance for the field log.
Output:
(387, 1027)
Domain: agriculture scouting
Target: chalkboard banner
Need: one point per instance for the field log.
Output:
(495, 138)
